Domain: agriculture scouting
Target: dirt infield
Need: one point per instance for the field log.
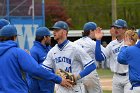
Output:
(106, 83)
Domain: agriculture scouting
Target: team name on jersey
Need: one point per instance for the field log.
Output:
(116, 50)
(62, 59)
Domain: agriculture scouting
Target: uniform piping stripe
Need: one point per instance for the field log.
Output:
(47, 67)
(92, 61)
(104, 56)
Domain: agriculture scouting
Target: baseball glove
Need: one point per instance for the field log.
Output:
(132, 35)
(66, 75)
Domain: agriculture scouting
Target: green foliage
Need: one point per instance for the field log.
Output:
(54, 12)
(129, 10)
(81, 11)
(99, 11)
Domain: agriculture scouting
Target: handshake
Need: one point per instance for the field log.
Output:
(68, 79)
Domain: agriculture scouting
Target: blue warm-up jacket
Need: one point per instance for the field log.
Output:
(131, 56)
(39, 53)
(13, 62)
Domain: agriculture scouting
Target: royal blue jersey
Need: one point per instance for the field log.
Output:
(39, 53)
(131, 56)
(13, 63)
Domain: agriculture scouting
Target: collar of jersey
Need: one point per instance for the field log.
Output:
(62, 45)
(87, 37)
(120, 41)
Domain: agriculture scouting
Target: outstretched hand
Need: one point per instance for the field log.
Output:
(69, 78)
(98, 33)
(66, 83)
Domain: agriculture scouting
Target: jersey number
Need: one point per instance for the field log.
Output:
(68, 69)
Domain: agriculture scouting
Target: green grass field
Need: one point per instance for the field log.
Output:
(106, 91)
(105, 73)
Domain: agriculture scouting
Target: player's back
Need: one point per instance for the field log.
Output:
(132, 59)
(88, 45)
(10, 72)
(91, 81)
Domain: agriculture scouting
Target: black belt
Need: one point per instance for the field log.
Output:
(121, 74)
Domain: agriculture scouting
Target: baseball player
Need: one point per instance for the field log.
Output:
(3, 22)
(121, 82)
(130, 56)
(15, 61)
(69, 57)
(39, 52)
(91, 81)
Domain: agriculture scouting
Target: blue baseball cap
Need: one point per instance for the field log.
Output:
(8, 30)
(43, 31)
(3, 22)
(120, 23)
(90, 26)
(60, 25)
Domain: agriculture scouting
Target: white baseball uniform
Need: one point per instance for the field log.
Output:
(71, 58)
(121, 82)
(136, 90)
(91, 81)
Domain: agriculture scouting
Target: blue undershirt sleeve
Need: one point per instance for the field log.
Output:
(98, 53)
(88, 70)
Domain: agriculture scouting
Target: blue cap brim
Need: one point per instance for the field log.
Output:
(55, 28)
(116, 26)
(11, 35)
